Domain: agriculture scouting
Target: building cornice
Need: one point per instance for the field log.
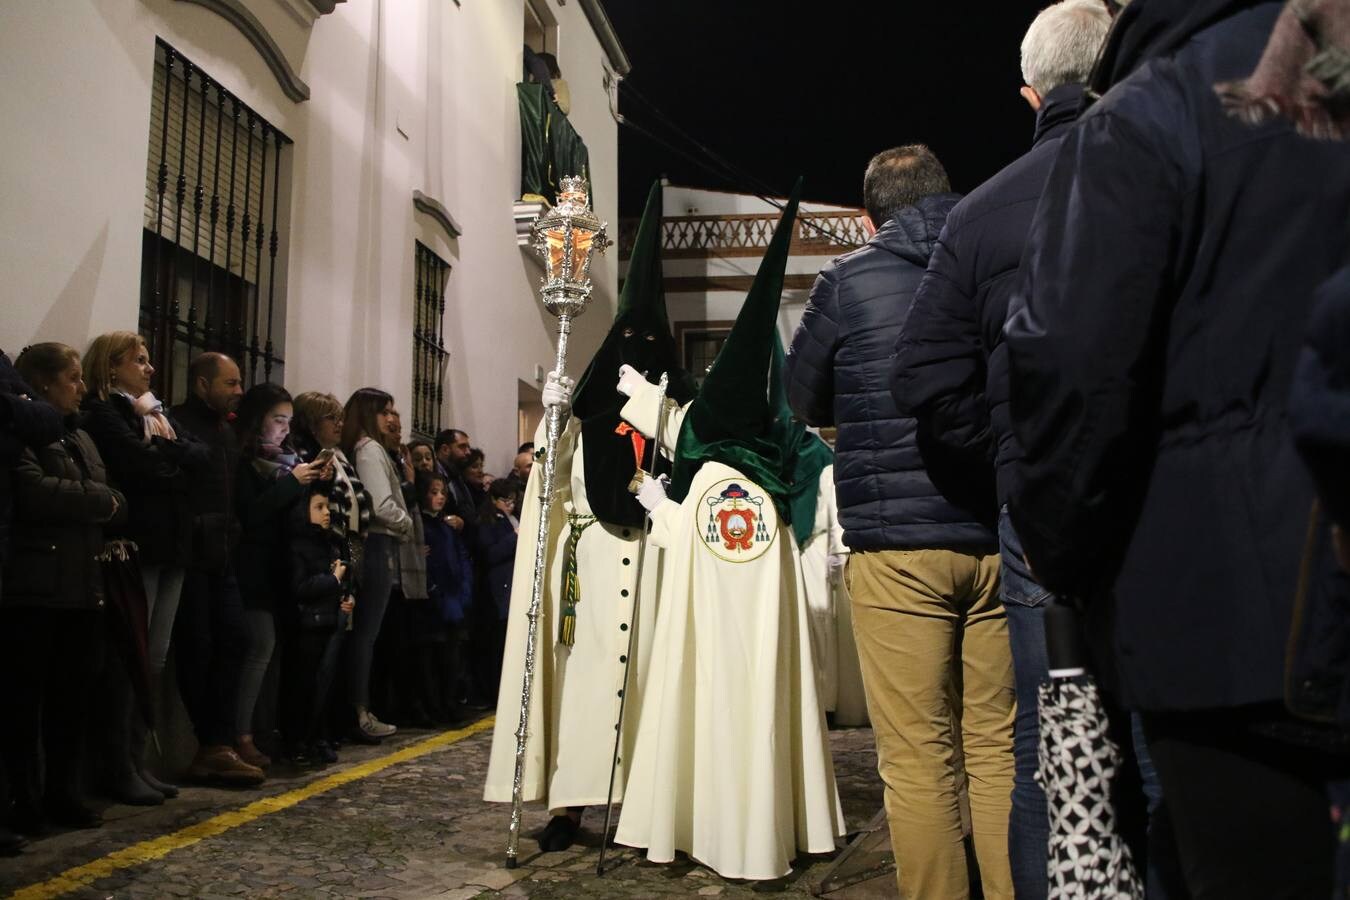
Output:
(438, 213)
(234, 12)
(609, 40)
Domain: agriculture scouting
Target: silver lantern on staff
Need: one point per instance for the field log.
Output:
(567, 236)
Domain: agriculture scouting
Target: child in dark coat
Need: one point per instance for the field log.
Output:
(497, 534)
(323, 606)
(450, 579)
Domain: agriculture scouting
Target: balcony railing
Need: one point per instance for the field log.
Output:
(748, 234)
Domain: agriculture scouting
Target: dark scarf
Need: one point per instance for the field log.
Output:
(275, 463)
(1303, 75)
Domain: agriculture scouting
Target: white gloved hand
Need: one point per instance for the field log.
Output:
(630, 379)
(558, 392)
(837, 562)
(652, 493)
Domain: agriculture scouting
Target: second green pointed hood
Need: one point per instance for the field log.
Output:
(734, 419)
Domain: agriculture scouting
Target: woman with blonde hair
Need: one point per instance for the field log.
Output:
(152, 463)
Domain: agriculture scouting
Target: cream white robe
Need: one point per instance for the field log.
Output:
(820, 594)
(575, 700)
(732, 763)
(850, 709)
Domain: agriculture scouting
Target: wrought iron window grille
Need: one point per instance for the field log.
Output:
(210, 244)
(429, 353)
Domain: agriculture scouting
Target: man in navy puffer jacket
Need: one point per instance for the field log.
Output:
(923, 573)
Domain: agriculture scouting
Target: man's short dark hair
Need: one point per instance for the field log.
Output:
(901, 177)
(205, 365)
(447, 437)
(527, 447)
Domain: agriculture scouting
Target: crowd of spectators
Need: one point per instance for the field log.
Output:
(313, 578)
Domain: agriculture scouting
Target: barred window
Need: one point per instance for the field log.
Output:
(429, 353)
(210, 245)
(699, 343)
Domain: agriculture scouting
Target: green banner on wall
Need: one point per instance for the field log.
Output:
(550, 147)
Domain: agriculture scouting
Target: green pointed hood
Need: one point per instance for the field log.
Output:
(734, 419)
(807, 454)
(640, 337)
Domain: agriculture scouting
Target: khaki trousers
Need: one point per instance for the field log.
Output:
(937, 669)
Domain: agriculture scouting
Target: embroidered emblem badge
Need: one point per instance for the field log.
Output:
(737, 520)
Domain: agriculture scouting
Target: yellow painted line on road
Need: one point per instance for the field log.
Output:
(147, 851)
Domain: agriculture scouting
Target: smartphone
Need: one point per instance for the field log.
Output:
(323, 457)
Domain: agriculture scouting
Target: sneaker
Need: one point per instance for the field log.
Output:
(371, 727)
(220, 764)
(249, 753)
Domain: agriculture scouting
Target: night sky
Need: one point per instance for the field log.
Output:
(817, 95)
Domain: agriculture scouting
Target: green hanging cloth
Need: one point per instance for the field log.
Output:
(734, 419)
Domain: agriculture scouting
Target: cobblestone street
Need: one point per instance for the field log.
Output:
(414, 827)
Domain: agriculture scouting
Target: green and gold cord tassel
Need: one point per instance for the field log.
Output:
(571, 586)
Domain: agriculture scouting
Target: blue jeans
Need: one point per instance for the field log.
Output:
(1029, 823)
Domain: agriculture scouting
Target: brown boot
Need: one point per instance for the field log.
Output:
(249, 752)
(221, 765)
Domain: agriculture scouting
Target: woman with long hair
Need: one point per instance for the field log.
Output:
(367, 424)
(270, 481)
(152, 462)
(51, 618)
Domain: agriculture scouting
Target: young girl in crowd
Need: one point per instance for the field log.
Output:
(51, 619)
(323, 607)
(450, 584)
(270, 481)
(422, 456)
(368, 418)
(152, 462)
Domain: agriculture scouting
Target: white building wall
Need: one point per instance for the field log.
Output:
(405, 95)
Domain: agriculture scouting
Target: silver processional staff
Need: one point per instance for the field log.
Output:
(567, 236)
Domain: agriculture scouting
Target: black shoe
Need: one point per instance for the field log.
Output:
(457, 714)
(72, 814)
(28, 821)
(477, 704)
(11, 844)
(322, 754)
(168, 790)
(131, 790)
(559, 834)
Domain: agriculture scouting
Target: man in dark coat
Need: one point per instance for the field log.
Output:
(210, 632)
(951, 367)
(1165, 289)
(923, 573)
